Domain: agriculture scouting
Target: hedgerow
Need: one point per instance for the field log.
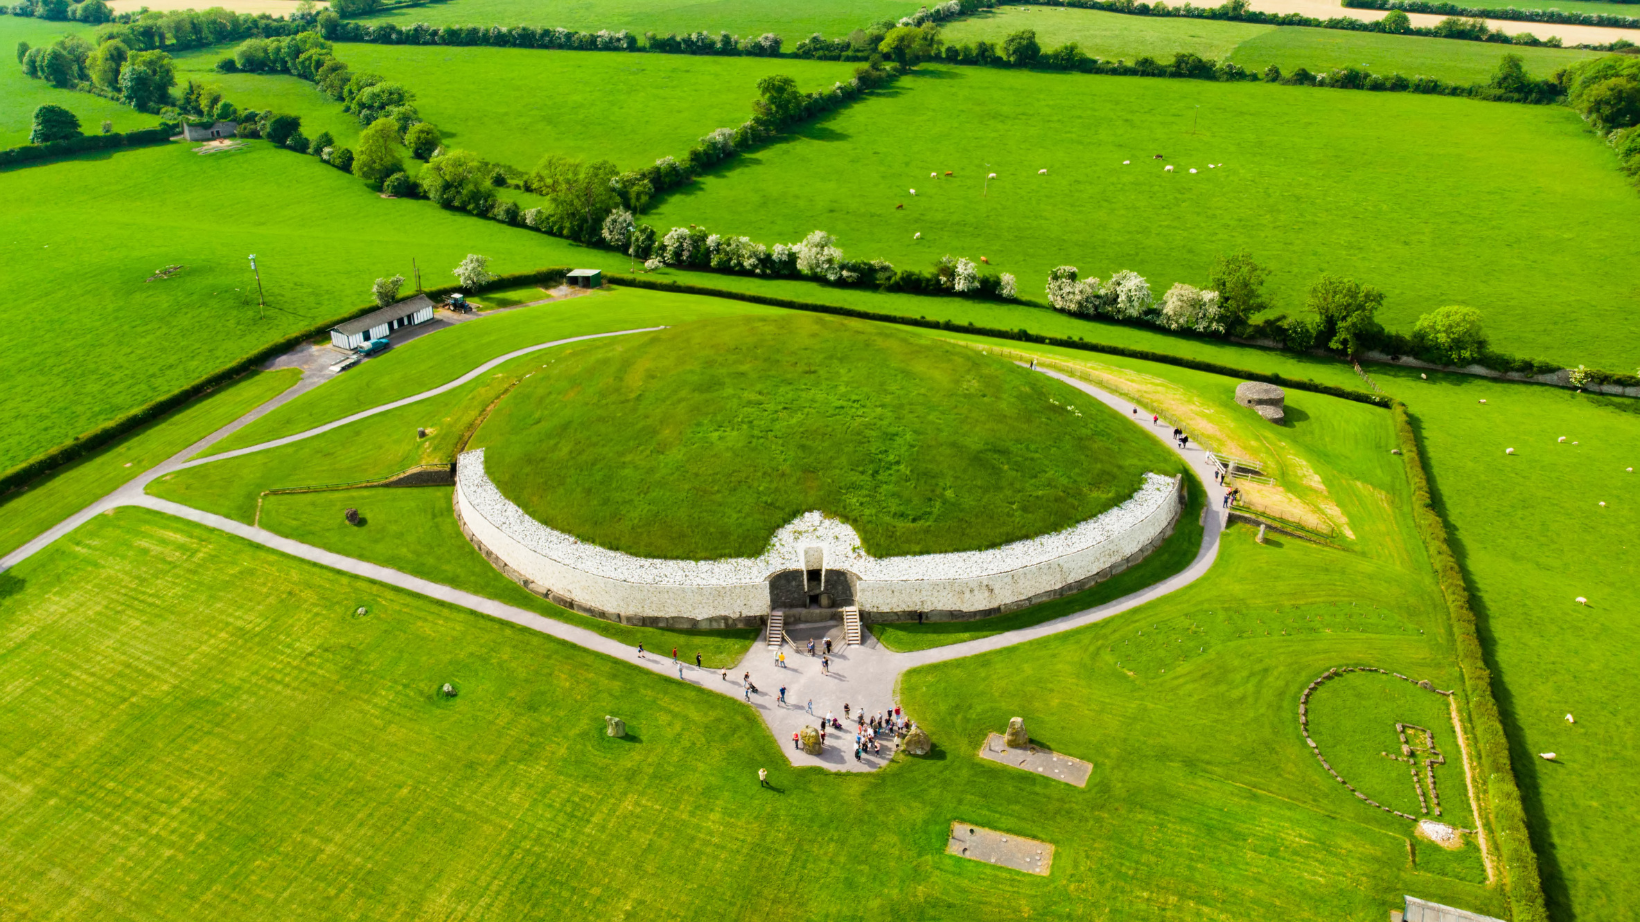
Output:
(30, 153)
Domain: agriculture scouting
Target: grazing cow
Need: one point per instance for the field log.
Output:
(899, 207)
(984, 260)
(1158, 157)
(948, 172)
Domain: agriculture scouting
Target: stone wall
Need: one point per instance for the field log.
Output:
(735, 593)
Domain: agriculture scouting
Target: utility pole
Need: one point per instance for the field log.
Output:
(415, 271)
(261, 302)
(1195, 119)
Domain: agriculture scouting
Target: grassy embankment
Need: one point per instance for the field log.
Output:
(1283, 151)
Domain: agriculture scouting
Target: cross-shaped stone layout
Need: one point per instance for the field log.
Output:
(1418, 745)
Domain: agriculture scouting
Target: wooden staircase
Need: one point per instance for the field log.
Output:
(851, 626)
(776, 630)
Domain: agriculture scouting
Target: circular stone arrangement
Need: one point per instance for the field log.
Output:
(709, 474)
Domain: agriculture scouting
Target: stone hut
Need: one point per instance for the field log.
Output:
(1266, 400)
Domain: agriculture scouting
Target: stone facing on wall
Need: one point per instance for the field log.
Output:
(735, 593)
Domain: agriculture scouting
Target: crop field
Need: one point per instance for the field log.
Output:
(320, 238)
(1532, 532)
(1114, 36)
(20, 95)
(834, 18)
(1312, 181)
(516, 105)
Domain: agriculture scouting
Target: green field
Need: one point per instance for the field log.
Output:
(414, 530)
(319, 236)
(701, 441)
(834, 18)
(280, 92)
(516, 105)
(1114, 36)
(1570, 6)
(1530, 531)
(340, 749)
(51, 499)
(20, 94)
(1312, 181)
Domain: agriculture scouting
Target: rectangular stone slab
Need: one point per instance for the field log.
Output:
(1047, 764)
(1000, 848)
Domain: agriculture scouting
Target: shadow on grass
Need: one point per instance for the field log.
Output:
(10, 585)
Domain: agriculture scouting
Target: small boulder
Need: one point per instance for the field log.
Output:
(1016, 735)
(917, 742)
(810, 740)
(614, 726)
(352, 516)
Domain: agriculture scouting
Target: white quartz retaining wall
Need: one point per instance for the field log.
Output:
(735, 592)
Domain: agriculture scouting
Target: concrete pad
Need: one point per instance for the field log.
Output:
(1034, 758)
(1000, 848)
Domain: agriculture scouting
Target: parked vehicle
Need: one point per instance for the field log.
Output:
(374, 346)
(344, 364)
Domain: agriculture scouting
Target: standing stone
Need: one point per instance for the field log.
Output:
(352, 516)
(1261, 534)
(616, 726)
(917, 742)
(448, 690)
(810, 739)
(1016, 735)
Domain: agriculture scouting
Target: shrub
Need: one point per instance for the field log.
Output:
(279, 128)
(53, 123)
(473, 272)
(1450, 335)
(320, 143)
(298, 142)
(342, 159)
(386, 290)
(397, 185)
(422, 140)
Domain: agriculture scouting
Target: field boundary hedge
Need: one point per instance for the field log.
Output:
(34, 153)
(81, 445)
(1522, 882)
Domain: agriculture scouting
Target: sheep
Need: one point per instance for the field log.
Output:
(1602, 504)
(1561, 439)
(1424, 376)
(933, 175)
(992, 176)
(1483, 400)
(917, 235)
(913, 191)
(1167, 169)
(1212, 166)
(1508, 451)
(1582, 601)
(1569, 719)
(1192, 169)
(1126, 162)
(1041, 172)
(1547, 755)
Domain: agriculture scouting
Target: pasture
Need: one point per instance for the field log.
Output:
(1312, 181)
(516, 105)
(1114, 36)
(1531, 532)
(20, 94)
(833, 18)
(320, 238)
(280, 92)
(1568, 6)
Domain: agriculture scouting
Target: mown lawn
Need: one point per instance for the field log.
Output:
(93, 339)
(1312, 181)
(1531, 532)
(836, 18)
(414, 530)
(1114, 36)
(178, 747)
(20, 95)
(628, 108)
(26, 513)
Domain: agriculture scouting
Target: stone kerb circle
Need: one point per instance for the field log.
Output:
(1304, 727)
(735, 592)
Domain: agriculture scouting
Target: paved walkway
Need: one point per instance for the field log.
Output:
(863, 677)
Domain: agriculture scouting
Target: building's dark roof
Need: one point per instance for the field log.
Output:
(387, 314)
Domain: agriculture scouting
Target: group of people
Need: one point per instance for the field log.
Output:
(867, 731)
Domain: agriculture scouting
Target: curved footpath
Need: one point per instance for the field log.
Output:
(865, 677)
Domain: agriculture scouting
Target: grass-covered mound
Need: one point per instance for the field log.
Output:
(701, 441)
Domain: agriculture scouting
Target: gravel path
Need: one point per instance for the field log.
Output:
(864, 677)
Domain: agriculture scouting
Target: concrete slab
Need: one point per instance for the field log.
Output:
(1043, 762)
(1000, 848)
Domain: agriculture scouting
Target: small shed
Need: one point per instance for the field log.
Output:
(1424, 911)
(585, 278)
(209, 132)
(378, 323)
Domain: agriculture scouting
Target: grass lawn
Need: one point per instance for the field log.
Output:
(835, 18)
(51, 499)
(701, 441)
(85, 234)
(20, 95)
(1313, 181)
(194, 750)
(1114, 36)
(1529, 530)
(279, 92)
(413, 529)
(628, 108)
(1569, 6)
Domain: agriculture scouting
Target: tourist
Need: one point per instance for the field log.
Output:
(748, 692)
(782, 694)
(697, 660)
(640, 651)
(828, 645)
(796, 740)
(811, 707)
(680, 668)
(828, 719)
(1154, 418)
(782, 659)
(725, 675)
(811, 646)
(746, 680)
(822, 736)
(1227, 499)
(845, 708)
(674, 654)
(825, 665)
(763, 777)
(1184, 441)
